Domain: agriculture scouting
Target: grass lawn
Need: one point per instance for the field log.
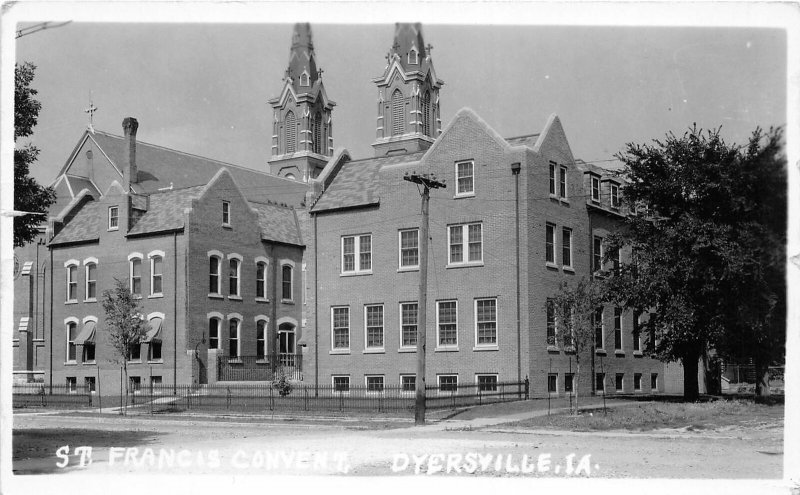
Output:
(654, 415)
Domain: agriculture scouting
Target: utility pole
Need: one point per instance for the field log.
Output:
(427, 182)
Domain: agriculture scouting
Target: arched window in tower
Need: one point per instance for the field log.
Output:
(426, 113)
(318, 133)
(290, 129)
(413, 56)
(398, 113)
(304, 79)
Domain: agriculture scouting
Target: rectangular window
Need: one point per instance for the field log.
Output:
(409, 248)
(550, 244)
(136, 277)
(374, 319)
(486, 322)
(562, 182)
(466, 247)
(598, 328)
(447, 323)
(637, 334)
(287, 275)
(566, 328)
(261, 280)
(72, 283)
(597, 253)
(226, 213)
(617, 329)
(568, 381)
(566, 247)
(637, 382)
(213, 333)
(72, 332)
(135, 352)
(89, 352)
(340, 327)
(91, 281)
(448, 383)
(614, 196)
(72, 384)
(654, 382)
(465, 177)
(261, 339)
(618, 382)
(89, 385)
(213, 274)
(374, 383)
(552, 179)
(113, 217)
(600, 382)
(596, 189)
(487, 383)
(552, 383)
(156, 268)
(408, 324)
(233, 339)
(360, 245)
(408, 383)
(135, 384)
(341, 383)
(233, 277)
(155, 351)
(551, 323)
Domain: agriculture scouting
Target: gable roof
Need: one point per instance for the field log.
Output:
(165, 211)
(277, 223)
(358, 182)
(84, 226)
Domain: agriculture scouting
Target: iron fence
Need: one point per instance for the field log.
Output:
(461, 395)
(42, 395)
(259, 368)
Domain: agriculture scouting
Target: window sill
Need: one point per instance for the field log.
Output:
(468, 264)
(479, 348)
(227, 226)
(235, 298)
(262, 361)
(155, 361)
(600, 352)
(376, 350)
(89, 363)
(113, 229)
(637, 354)
(407, 349)
(408, 269)
(568, 269)
(215, 296)
(155, 296)
(446, 349)
(339, 351)
(552, 348)
(135, 361)
(564, 201)
(71, 301)
(554, 196)
(464, 195)
(355, 274)
(235, 360)
(90, 300)
(70, 363)
(262, 300)
(551, 266)
(287, 301)
(619, 352)
(136, 296)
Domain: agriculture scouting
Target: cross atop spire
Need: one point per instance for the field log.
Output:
(91, 110)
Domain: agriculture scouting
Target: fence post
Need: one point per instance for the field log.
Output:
(99, 393)
(305, 399)
(188, 399)
(480, 396)
(527, 387)
(228, 398)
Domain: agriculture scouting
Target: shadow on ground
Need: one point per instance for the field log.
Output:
(34, 450)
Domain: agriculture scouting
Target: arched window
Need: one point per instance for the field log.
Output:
(286, 282)
(213, 333)
(91, 280)
(72, 332)
(261, 339)
(156, 272)
(261, 280)
(426, 113)
(413, 56)
(398, 113)
(290, 129)
(286, 344)
(233, 338)
(304, 79)
(135, 273)
(213, 274)
(233, 277)
(317, 123)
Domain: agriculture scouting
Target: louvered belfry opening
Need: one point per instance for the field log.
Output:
(290, 128)
(398, 117)
(426, 113)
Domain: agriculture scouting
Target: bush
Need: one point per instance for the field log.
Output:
(283, 385)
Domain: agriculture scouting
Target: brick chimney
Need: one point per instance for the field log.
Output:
(129, 171)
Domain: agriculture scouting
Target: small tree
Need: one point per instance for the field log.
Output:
(126, 325)
(573, 308)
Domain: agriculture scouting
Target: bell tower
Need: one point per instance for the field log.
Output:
(408, 95)
(302, 127)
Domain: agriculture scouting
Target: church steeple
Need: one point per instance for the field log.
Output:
(302, 136)
(408, 95)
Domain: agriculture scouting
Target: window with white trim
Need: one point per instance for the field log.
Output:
(550, 244)
(304, 79)
(91, 281)
(287, 282)
(373, 317)
(72, 384)
(551, 323)
(600, 382)
(357, 254)
(552, 383)
(614, 195)
(113, 218)
(409, 248)
(637, 382)
(72, 333)
(135, 352)
(214, 269)
(226, 213)
(340, 328)
(408, 324)
(465, 178)
(447, 383)
(234, 276)
(447, 323)
(374, 383)
(234, 326)
(408, 383)
(597, 253)
(213, 333)
(566, 247)
(465, 243)
(637, 333)
(261, 339)
(619, 381)
(595, 189)
(597, 319)
(261, 280)
(136, 276)
(562, 182)
(486, 383)
(72, 282)
(486, 322)
(413, 56)
(341, 383)
(618, 329)
(552, 178)
(156, 273)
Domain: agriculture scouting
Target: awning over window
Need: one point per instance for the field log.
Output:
(155, 330)
(87, 334)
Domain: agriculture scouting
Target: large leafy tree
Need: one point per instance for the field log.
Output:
(29, 195)
(708, 247)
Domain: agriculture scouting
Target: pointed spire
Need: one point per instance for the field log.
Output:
(302, 63)
(409, 46)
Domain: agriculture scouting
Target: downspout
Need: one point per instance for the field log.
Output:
(274, 313)
(175, 312)
(515, 168)
(51, 319)
(593, 378)
(316, 314)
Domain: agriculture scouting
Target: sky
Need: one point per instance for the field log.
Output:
(203, 88)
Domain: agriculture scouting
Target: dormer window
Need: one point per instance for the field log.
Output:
(596, 189)
(413, 56)
(304, 79)
(614, 195)
(226, 213)
(113, 218)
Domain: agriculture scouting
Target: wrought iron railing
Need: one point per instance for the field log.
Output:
(259, 368)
